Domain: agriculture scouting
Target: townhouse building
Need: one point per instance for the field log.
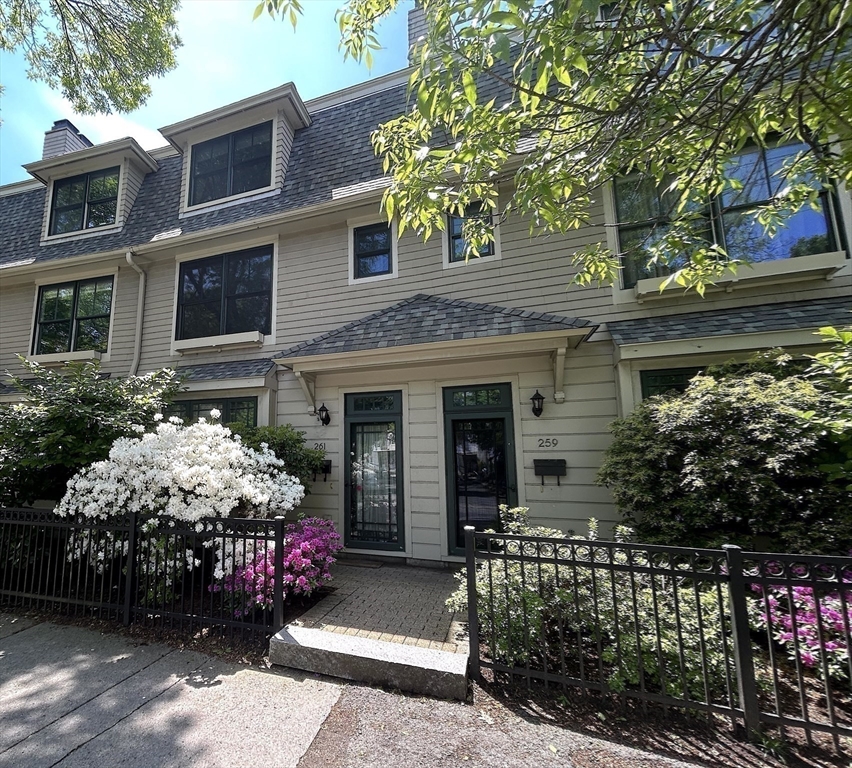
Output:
(250, 253)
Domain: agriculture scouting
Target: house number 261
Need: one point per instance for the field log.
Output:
(319, 446)
(547, 442)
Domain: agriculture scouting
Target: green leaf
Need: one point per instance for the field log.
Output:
(469, 87)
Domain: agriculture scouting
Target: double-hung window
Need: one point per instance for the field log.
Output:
(232, 164)
(84, 202)
(74, 317)
(455, 235)
(372, 251)
(642, 212)
(226, 294)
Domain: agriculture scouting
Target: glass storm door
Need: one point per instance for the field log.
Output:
(480, 457)
(373, 494)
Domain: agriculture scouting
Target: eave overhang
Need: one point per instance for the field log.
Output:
(92, 158)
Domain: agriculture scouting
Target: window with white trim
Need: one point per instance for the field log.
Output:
(372, 251)
(642, 215)
(225, 294)
(232, 164)
(84, 202)
(455, 234)
(73, 316)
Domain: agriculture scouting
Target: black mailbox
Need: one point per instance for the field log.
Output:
(550, 468)
(325, 469)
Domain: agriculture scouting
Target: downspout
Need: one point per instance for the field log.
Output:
(140, 310)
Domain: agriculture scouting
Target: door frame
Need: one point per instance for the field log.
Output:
(404, 467)
(447, 448)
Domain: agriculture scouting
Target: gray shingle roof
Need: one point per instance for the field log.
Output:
(237, 369)
(425, 319)
(334, 151)
(789, 315)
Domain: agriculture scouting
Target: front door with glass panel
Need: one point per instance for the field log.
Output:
(480, 450)
(373, 497)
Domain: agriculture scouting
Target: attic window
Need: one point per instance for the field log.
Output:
(84, 202)
(231, 165)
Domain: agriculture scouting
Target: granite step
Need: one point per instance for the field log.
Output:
(417, 670)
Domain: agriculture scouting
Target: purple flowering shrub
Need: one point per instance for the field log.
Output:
(808, 626)
(310, 546)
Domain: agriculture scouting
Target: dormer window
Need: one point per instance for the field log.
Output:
(231, 165)
(86, 201)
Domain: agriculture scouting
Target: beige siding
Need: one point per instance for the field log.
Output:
(17, 315)
(284, 143)
(16, 318)
(581, 436)
(133, 178)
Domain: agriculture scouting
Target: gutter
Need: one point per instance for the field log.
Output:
(140, 311)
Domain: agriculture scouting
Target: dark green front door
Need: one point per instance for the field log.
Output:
(373, 493)
(480, 450)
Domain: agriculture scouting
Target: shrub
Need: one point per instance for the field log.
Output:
(808, 628)
(527, 607)
(740, 459)
(288, 444)
(309, 549)
(68, 419)
(176, 472)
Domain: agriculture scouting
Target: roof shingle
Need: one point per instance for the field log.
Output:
(237, 369)
(789, 315)
(424, 319)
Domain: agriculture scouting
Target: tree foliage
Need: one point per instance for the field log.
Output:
(99, 53)
(743, 457)
(554, 99)
(68, 419)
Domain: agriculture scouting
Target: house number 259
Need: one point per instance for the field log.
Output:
(547, 442)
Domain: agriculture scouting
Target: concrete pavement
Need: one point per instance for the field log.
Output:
(76, 698)
(72, 697)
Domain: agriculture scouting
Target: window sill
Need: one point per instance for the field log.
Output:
(81, 234)
(56, 359)
(213, 343)
(227, 202)
(818, 265)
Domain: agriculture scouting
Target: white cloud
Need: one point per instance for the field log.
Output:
(101, 128)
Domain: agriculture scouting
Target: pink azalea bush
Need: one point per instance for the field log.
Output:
(310, 546)
(819, 627)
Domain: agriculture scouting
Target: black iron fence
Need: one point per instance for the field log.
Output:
(217, 572)
(759, 639)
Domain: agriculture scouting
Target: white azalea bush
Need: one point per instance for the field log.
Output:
(178, 473)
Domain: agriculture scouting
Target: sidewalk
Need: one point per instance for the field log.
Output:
(75, 698)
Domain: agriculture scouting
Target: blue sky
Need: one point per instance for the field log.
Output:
(225, 57)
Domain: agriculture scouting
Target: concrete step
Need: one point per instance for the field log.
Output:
(418, 670)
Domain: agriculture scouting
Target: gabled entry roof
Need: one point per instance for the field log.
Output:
(424, 319)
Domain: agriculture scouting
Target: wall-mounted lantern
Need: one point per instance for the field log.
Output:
(537, 404)
(323, 415)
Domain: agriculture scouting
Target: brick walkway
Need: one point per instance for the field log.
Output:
(397, 604)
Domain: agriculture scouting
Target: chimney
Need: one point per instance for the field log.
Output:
(416, 29)
(62, 139)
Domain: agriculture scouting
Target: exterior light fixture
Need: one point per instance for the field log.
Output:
(537, 403)
(323, 415)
